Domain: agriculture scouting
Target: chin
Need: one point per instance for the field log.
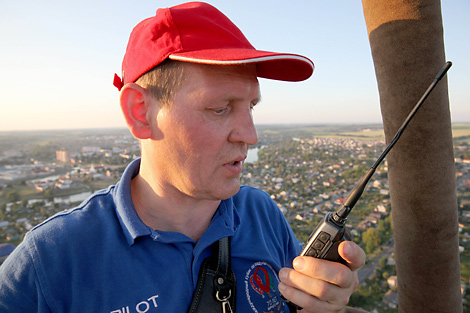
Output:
(229, 192)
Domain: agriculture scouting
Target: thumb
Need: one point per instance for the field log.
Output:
(353, 254)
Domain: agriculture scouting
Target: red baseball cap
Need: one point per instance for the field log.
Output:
(198, 32)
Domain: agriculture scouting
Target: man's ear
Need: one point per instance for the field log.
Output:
(135, 106)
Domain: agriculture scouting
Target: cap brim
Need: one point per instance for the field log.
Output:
(271, 65)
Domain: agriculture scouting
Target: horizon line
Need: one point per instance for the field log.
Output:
(256, 124)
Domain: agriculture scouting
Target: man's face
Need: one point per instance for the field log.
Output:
(205, 134)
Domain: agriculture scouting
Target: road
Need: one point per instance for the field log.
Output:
(367, 270)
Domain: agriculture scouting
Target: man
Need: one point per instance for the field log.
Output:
(188, 90)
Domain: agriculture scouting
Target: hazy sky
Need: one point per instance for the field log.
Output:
(58, 58)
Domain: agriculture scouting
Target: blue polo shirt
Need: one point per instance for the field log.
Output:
(100, 257)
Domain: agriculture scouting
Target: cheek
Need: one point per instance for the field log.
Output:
(198, 140)
(191, 146)
(206, 137)
(204, 147)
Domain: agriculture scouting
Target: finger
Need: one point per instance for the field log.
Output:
(319, 288)
(308, 302)
(353, 254)
(328, 271)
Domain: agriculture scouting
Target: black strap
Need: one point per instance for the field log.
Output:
(223, 263)
(216, 285)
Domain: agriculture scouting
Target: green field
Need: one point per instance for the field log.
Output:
(461, 132)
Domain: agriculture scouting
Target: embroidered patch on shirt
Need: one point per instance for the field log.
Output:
(261, 287)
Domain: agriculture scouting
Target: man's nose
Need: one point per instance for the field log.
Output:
(244, 129)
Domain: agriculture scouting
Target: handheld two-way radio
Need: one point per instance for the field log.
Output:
(324, 241)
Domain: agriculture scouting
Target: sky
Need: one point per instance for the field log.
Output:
(58, 59)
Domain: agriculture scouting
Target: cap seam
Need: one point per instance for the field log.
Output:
(181, 48)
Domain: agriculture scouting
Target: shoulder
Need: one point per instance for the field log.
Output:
(262, 222)
(53, 252)
(254, 202)
(69, 235)
(75, 226)
(96, 206)
(248, 194)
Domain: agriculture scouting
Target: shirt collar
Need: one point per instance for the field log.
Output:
(131, 223)
(224, 223)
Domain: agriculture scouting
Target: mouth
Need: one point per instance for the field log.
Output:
(236, 165)
(238, 161)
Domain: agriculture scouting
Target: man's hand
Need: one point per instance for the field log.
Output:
(319, 285)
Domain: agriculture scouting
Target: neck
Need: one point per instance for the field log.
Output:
(169, 210)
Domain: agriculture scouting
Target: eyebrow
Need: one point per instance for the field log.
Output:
(255, 101)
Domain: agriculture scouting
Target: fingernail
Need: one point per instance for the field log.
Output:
(299, 264)
(281, 287)
(347, 249)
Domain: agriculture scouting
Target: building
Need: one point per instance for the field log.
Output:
(391, 299)
(62, 156)
(392, 282)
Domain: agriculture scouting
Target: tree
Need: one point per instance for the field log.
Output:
(13, 196)
(44, 151)
(3, 207)
(14, 208)
(49, 194)
(371, 239)
(384, 230)
(385, 275)
(383, 262)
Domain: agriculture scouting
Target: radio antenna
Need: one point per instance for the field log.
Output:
(348, 204)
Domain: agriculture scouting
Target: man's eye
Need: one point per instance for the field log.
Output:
(220, 111)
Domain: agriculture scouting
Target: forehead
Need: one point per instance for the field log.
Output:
(235, 78)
